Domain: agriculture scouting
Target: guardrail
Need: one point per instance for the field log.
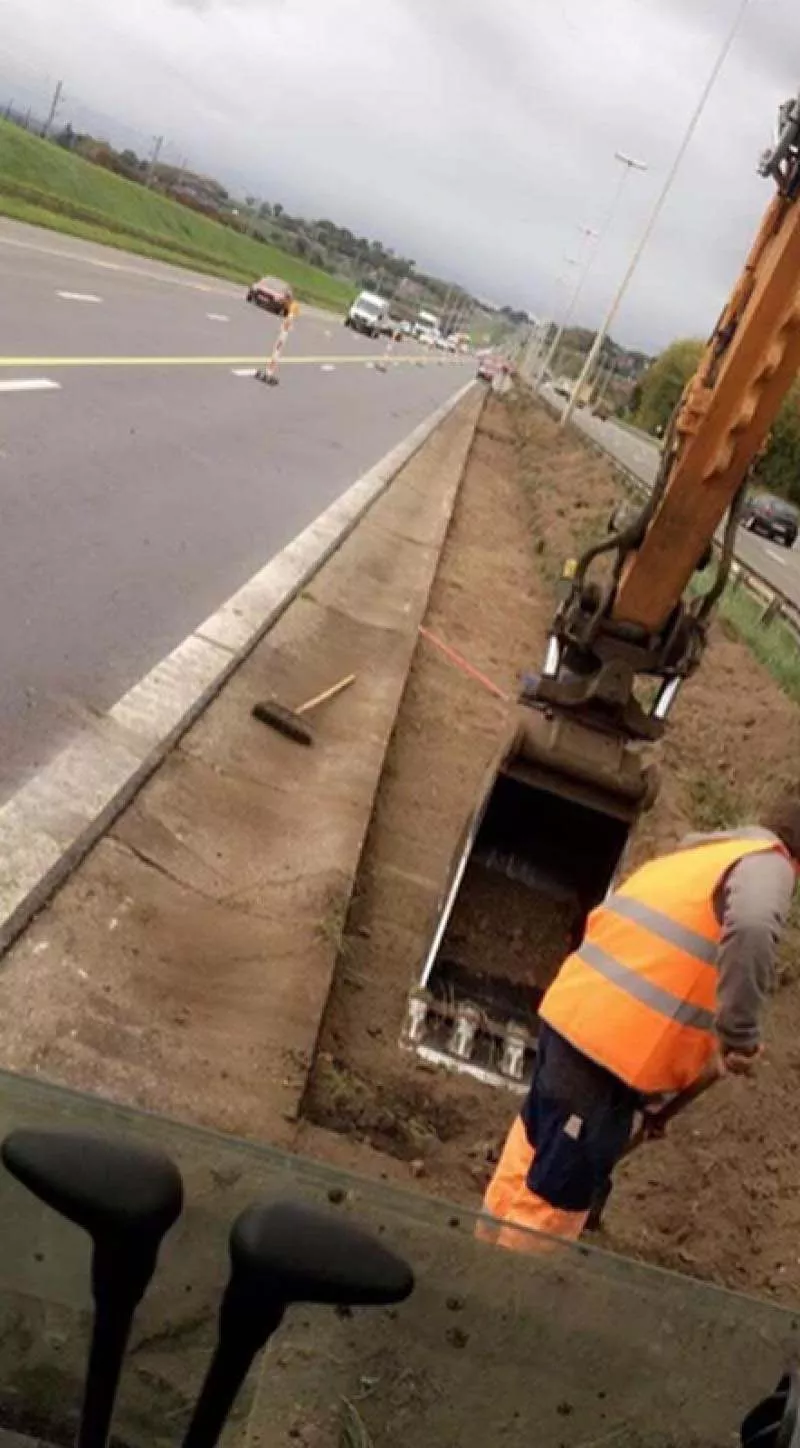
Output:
(776, 605)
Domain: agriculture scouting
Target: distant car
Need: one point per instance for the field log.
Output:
(440, 342)
(272, 294)
(772, 517)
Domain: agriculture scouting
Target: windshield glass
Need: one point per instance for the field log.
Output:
(365, 305)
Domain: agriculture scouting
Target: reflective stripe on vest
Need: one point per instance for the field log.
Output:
(639, 995)
(654, 996)
(664, 926)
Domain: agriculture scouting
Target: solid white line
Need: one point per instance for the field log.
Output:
(30, 384)
(78, 297)
(217, 317)
(48, 826)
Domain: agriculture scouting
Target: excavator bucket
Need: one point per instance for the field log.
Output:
(545, 841)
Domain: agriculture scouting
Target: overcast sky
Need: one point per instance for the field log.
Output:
(476, 136)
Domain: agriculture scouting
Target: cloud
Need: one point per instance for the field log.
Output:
(474, 138)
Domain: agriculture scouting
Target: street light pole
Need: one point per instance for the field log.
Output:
(628, 164)
(656, 211)
(589, 235)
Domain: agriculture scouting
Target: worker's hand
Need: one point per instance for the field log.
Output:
(742, 1063)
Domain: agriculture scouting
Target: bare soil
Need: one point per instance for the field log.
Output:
(720, 1198)
(491, 928)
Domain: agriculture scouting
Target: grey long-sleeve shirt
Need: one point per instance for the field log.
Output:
(751, 903)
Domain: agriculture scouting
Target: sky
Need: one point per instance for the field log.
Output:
(475, 137)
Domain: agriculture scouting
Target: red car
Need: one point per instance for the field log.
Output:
(272, 294)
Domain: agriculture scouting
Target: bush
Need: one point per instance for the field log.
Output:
(663, 383)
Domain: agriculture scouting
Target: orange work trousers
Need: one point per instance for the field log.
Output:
(509, 1204)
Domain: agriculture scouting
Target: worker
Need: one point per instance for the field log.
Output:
(667, 985)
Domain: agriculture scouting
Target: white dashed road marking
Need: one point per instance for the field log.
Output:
(78, 297)
(217, 317)
(243, 371)
(776, 557)
(29, 384)
(327, 367)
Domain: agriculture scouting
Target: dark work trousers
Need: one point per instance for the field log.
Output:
(578, 1119)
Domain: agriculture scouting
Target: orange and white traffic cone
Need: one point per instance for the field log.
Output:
(383, 365)
(269, 372)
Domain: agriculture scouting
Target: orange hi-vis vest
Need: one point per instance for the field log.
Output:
(639, 995)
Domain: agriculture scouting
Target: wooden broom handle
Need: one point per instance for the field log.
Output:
(326, 695)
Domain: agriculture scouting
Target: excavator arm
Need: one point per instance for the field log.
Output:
(640, 622)
(549, 833)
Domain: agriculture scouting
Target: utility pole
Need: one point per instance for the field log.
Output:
(54, 104)
(157, 144)
(608, 379)
(657, 209)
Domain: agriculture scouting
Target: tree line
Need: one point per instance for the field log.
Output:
(319, 241)
(656, 396)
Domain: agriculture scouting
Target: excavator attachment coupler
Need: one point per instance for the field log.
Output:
(540, 850)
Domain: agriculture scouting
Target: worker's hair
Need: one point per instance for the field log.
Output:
(783, 818)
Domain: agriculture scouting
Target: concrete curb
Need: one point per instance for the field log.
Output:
(48, 826)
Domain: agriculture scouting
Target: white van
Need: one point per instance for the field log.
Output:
(426, 327)
(368, 314)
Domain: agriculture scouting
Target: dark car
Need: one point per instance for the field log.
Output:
(771, 517)
(272, 294)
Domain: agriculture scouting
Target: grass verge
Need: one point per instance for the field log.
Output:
(43, 184)
(775, 646)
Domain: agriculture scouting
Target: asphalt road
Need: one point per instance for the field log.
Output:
(779, 566)
(143, 480)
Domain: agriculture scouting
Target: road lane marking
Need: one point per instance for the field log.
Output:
(295, 361)
(327, 367)
(217, 317)
(244, 371)
(776, 557)
(78, 297)
(30, 384)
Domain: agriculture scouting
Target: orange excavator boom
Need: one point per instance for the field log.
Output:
(641, 623)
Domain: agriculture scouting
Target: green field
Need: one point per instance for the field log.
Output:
(46, 185)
